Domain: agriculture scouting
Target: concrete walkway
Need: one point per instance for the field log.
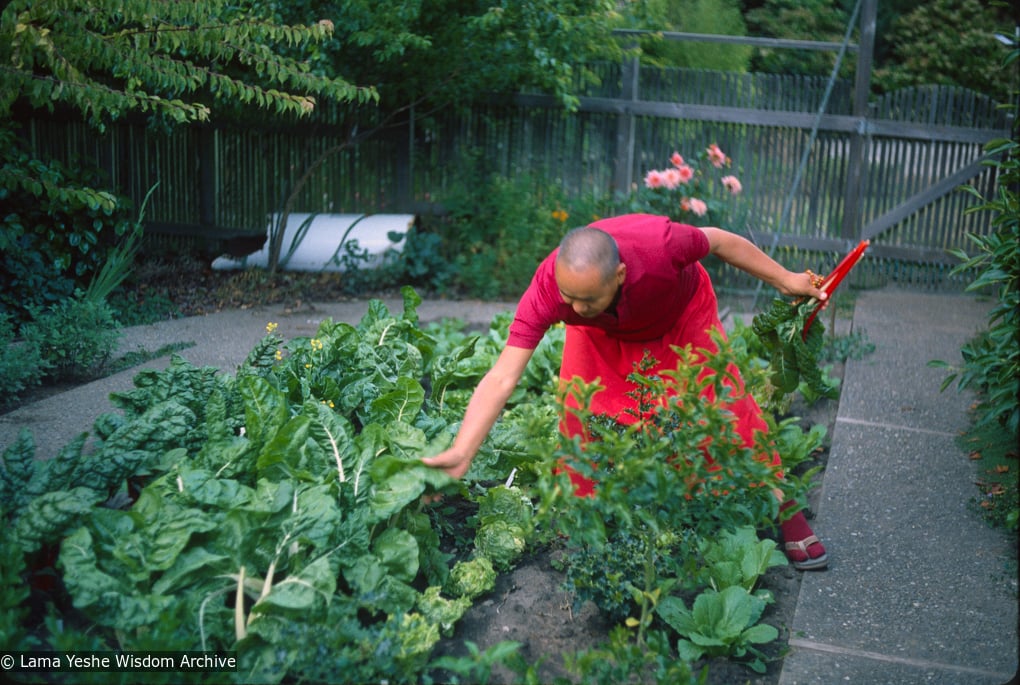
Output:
(919, 589)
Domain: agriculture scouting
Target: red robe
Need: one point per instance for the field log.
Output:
(666, 300)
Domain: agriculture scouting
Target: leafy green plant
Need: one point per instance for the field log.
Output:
(991, 361)
(496, 229)
(721, 623)
(52, 242)
(793, 352)
(505, 524)
(622, 661)
(738, 558)
(75, 337)
(21, 365)
(264, 513)
(677, 476)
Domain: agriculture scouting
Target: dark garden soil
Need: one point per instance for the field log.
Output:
(529, 605)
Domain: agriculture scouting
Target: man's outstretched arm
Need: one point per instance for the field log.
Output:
(483, 409)
(743, 254)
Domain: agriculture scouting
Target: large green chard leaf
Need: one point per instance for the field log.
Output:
(265, 408)
(163, 426)
(160, 532)
(193, 564)
(47, 517)
(398, 483)
(285, 455)
(106, 598)
(59, 472)
(199, 487)
(334, 435)
(397, 551)
(401, 404)
(314, 583)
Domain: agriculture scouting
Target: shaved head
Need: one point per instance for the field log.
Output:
(586, 248)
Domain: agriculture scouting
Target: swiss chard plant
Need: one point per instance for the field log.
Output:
(277, 513)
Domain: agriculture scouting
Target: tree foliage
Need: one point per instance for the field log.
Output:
(107, 58)
(723, 17)
(950, 42)
(820, 20)
(459, 51)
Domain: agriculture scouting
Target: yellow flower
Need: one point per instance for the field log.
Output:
(316, 344)
(560, 215)
(270, 327)
(279, 355)
(308, 366)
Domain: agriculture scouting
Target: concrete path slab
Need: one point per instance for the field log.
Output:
(919, 589)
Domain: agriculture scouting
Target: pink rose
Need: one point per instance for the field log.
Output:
(732, 184)
(677, 160)
(716, 156)
(671, 178)
(698, 206)
(653, 179)
(686, 173)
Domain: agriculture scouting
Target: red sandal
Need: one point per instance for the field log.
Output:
(798, 554)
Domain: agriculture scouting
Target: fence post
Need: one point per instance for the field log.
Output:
(623, 175)
(856, 173)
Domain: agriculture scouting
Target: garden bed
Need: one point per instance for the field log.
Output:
(528, 603)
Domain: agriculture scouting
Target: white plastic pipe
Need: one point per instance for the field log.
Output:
(315, 242)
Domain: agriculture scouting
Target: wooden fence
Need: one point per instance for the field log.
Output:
(919, 146)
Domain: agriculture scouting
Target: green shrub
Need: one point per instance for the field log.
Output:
(496, 229)
(56, 231)
(991, 361)
(21, 364)
(75, 338)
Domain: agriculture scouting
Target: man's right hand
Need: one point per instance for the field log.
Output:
(452, 461)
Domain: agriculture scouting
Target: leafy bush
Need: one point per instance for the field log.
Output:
(75, 338)
(21, 365)
(991, 361)
(721, 623)
(496, 230)
(56, 232)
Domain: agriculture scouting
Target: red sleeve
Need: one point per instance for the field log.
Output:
(538, 309)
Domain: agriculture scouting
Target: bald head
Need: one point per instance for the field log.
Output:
(586, 248)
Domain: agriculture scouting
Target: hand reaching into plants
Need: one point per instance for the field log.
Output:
(453, 461)
(486, 403)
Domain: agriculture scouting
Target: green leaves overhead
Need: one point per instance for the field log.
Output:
(173, 60)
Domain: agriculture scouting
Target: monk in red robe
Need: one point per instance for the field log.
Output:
(626, 286)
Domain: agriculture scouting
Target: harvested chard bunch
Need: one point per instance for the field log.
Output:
(794, 344)
(793, 350)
